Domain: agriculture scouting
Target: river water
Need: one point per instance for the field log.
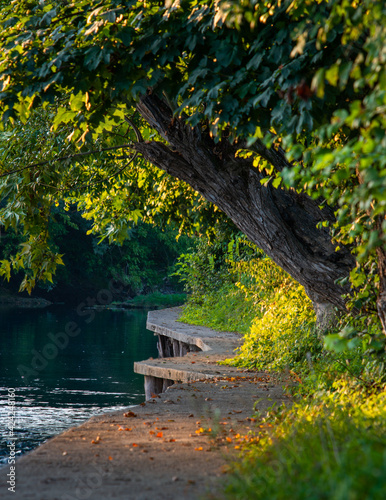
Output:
(65, 367)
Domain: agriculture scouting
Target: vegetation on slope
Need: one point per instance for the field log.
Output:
(331, 442)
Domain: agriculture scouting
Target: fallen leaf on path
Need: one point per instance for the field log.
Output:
(130, 414)
(200, 448)
(110, 458)
(159, 435)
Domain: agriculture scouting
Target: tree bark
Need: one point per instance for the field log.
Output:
(281, 222)
(381, 300)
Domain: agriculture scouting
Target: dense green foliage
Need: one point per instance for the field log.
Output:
(207, 276)
(306, 76)
(30, 204)
(144, 263)
(233, 286)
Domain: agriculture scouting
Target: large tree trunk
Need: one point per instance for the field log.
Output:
(281, 222)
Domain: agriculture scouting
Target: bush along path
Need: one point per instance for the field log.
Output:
(176, 445)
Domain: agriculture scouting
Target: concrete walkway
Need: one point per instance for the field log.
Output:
(173, 446)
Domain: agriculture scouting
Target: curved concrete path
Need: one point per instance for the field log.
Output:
(215, 346)
(162, 449)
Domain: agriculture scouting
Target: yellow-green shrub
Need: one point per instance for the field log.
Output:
(283, 332)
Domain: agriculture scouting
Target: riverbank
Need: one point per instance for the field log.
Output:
(9, 299)
(173, 446)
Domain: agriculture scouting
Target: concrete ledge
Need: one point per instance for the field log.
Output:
(165, 322)
(215, 346)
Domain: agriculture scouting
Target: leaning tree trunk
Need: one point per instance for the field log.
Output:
(281, 222)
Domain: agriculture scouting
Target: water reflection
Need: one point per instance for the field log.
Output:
(91, 375)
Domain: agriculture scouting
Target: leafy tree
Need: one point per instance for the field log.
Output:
(272, 111)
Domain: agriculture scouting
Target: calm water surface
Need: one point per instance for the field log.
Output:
(92, 374)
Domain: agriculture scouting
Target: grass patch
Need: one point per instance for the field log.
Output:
(333, 448)
(227, 309)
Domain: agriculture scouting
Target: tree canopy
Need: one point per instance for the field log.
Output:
(283, 101)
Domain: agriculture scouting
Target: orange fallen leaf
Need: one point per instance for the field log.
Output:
(229, 439)
(135, 445)
(198, 449)
(110, 458)
(151, 432)
(159, 435)
(172, 440)
(130, 414)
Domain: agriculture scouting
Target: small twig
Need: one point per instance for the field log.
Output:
(109, 176)
(69, 157)
(352, 374)
(135, 128)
